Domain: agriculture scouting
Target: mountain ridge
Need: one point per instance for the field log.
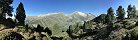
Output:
(59, 21)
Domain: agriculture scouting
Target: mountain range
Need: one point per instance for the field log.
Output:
(59, 21)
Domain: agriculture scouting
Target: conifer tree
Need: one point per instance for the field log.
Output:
(20, 14)
(110, 16)
(131, 11)
(5, 9)
(134, 11)
(120, 13)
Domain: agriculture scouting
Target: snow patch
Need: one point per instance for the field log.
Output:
(81, 13)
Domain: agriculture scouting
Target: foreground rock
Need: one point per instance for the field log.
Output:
(10, 35)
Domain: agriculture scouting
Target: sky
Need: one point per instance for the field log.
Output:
(95, 7)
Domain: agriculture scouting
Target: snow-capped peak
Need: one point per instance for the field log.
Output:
(80, 13)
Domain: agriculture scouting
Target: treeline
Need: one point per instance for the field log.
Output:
(110, 17)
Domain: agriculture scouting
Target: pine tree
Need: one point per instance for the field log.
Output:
(5, 8)
(134, 11)
(39, 28)
(20, 14)
(131, 11)
(120, 13)
(110, 16)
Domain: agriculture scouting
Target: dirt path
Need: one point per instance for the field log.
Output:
(10, 29)
(6, 30)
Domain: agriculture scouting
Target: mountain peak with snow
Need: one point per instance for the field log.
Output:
(80, 13)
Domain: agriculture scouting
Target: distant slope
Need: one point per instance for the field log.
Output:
(59, 21)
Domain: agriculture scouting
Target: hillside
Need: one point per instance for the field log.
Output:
(118, 25)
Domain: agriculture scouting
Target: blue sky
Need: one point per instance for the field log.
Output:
(96, 7)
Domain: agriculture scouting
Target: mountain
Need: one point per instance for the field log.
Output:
(58, 21)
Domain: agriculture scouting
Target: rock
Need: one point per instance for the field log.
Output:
(9, 35)
(2, 27)
(27, 35)
(45, 38)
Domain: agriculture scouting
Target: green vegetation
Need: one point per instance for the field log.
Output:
(120, 13)
(20, 14)
(131, 11)
(108, 27)
(16, 29)
(103, 27)
(6, 9)
(110, 16)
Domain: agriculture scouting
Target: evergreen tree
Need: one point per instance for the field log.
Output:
(131, 11)
(20, 14)
(110, 16)
(120, 13)
(84, 24)
(5, 8)
(49, 32)
(134, 11)
(39, 28)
